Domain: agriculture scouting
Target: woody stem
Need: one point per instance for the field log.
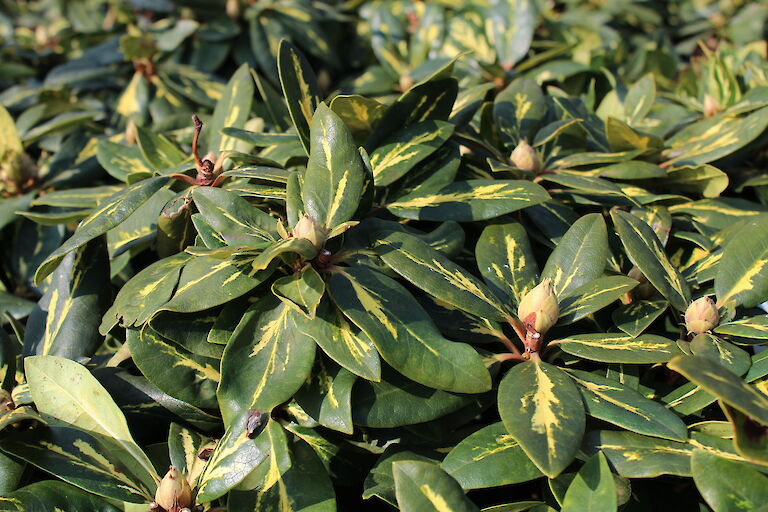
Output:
(198, 129)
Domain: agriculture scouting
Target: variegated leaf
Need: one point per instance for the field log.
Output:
(64, 321)
(637, 456)
(301, 290)
(239, 223)
(425, 487)
(593, 296)
(182, 374)
(70, 396)
(53, 495)
(506, 261)
(341, 342)
(233, 109)
(236, 454)
(299, 88)
(645, 250)
(431, 271)
(742, 276)
(114, 211)
(401, 152)
(541, 408)
(490, 457)
(579, 257)
(724, 384)
(206, 282)
(266, 360)
(619, 348)
(81, 459)
(326, 396)
(335, 175)
(145, 293)
(404, 334)
(615, 403)
(755, 328)
(185, 447)
(471, 200)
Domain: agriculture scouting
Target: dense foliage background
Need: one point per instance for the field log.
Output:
(496, 255)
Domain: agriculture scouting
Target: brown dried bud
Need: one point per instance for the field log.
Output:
(526, 158)
(308, 229)
(701, 316)
(253, 422)
(174, 492)
(539, 309)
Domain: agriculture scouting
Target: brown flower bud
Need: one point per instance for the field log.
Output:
(541, 302)
(701, 316)
(525, 157)
(308, 229)
(174, 492)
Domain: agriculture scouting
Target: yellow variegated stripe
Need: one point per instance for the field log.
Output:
(584, 300)
(128, 103)
(390, 58)
(707, 207)
(493, 191)
(98, 463)
(270, 334)
(374, 305)
(57, 313)
(271, 331)
(602, 391)
(758, 268)
(195, 471)
(13, 501)
(545, 418)
(16, 415)
(401, 152)
(202, 372)
(324, 448)
(516, 262)
(126, 237)
(425, 113)
(189, 447)
(230, 119)
(435, 499)
(120, 161)
(219, 267)
(456, 279)
(237, 221)
(679, 400)
(357, 347)
(747, 327)
(339, 195)
(707, 262)
(224, 462)
(162, 91)
(274, 472)
(637, 454)
(305, 98)
(502, 443)
(628, 343)
(714, 451)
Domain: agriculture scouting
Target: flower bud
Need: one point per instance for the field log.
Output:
(307, 228)
(539, 309)
(711, 105)
(174, 492)
(701, 316)
(525, 157)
